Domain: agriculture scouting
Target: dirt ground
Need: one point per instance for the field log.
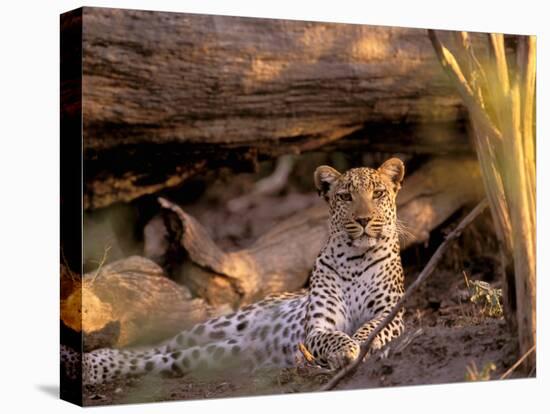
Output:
(445, 333)
(445, 338)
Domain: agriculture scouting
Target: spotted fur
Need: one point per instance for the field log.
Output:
(356, 279)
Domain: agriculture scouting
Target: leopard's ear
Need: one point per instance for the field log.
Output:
(324, 177)
(394, 169)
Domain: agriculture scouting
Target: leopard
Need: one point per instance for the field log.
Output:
(355, 281)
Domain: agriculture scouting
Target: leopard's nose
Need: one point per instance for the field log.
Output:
(362, 221)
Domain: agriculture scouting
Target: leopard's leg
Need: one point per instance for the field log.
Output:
(328, 323)
(394, 329)
(333, 348)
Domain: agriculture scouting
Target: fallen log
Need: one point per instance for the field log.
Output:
(282, 258)
(130, 302)
(167, 95)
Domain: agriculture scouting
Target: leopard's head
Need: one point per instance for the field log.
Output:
(362, 200)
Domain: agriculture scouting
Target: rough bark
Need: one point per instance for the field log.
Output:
(166, 95)
(130, 302)
(282, 258)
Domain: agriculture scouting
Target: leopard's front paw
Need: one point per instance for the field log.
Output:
(344, 355)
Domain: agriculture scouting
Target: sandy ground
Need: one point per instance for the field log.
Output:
(443, 343)
(446, 333)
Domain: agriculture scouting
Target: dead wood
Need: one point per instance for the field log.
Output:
(272, 184)
(426, 272)
(281, 259)
(278, 261)
(167, 95)
(130, 302)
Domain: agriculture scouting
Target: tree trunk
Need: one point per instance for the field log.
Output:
(167, 95)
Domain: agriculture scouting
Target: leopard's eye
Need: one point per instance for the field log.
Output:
(377, 193)
(344, 196)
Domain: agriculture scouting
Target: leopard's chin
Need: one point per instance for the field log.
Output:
(365, 242)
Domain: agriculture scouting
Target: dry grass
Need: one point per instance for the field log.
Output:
(499, 92)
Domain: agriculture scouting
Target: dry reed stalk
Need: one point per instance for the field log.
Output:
(501, 103)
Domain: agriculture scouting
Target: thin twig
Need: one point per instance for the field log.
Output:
(518, 363)
(101, 263)
(426, 272)
(407, 339)
(466, 279)
(72, 275)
